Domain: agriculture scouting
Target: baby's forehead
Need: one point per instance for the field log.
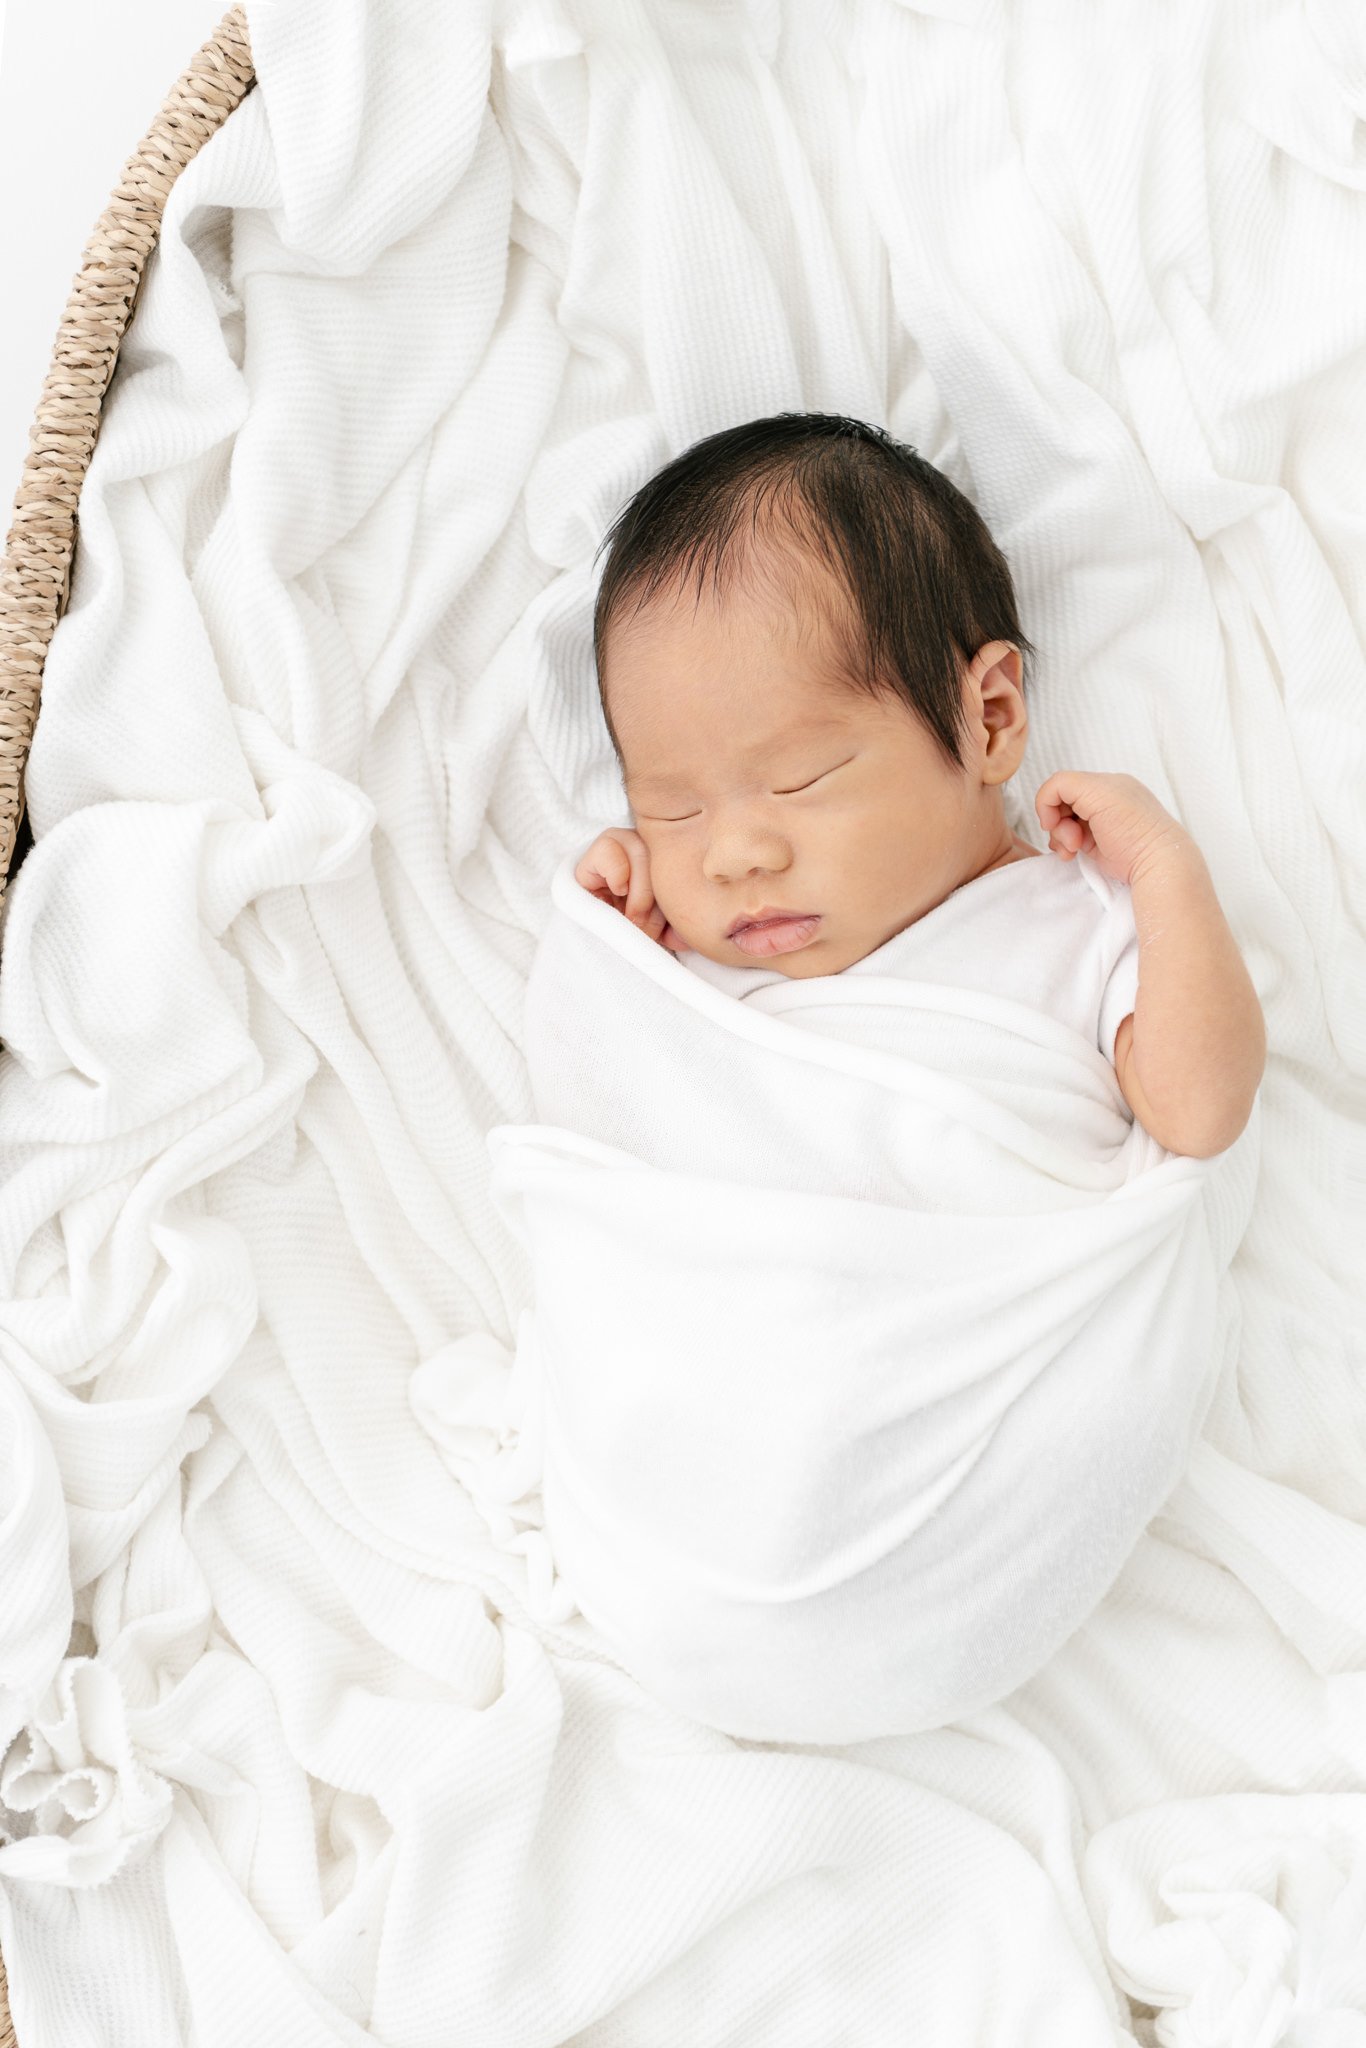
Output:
(750, 668)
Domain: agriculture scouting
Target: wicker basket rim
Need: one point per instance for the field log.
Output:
(35, 573)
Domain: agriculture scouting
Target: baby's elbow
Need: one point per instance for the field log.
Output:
(1216, 1122)
(1209, 1147)
(1207, 1132)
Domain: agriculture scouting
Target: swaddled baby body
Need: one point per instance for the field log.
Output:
(814, 744)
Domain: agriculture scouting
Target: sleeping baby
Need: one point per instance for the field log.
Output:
(814, 741)
(885, 1171)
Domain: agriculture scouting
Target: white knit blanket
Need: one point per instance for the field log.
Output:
(301, 1740)
(856, 1373)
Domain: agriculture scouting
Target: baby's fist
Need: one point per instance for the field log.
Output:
(616, 869)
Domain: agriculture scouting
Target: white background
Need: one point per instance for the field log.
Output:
(81, 82)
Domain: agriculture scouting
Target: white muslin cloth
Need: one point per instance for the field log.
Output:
(861, 1370)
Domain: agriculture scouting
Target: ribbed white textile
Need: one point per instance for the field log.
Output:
(295, 1745)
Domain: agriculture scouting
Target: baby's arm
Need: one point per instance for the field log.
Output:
(1190, 1058)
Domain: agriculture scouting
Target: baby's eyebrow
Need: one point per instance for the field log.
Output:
(804, 728)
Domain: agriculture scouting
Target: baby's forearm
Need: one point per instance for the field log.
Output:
(1199, 1039)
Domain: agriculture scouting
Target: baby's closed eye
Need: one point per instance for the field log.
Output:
(797, 791)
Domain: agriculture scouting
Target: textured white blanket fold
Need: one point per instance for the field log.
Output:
(861, 1374)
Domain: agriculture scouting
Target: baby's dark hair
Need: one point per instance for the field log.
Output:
(926, 583)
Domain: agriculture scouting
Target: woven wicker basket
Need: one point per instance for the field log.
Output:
(35, 577)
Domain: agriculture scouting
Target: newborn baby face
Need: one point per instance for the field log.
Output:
(763, 784)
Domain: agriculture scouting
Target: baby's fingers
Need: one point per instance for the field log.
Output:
(640, 897)
(1072, 835)
(605, 869)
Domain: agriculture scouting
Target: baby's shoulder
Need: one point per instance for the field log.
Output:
(1043, 906)
(1080, 883)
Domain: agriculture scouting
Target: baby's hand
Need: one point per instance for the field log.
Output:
(616, 869)
(1113, 818)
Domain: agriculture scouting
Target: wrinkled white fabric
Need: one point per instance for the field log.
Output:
(294, 1744)
(870, 1330)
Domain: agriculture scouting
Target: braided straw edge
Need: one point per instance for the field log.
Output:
(35, 575)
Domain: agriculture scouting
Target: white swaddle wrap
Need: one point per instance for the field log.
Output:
(856, 1375)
